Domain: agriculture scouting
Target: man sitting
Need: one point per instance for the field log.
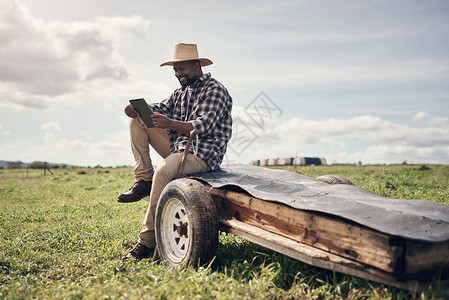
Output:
(202, 104)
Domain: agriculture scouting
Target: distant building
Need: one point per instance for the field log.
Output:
(290, 161)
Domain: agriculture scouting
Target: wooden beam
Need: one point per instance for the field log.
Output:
(422, 257)
(331, 234)
(319, 258)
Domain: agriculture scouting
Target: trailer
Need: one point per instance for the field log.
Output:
(326, 222)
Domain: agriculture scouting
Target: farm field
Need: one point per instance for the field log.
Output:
(62, 237)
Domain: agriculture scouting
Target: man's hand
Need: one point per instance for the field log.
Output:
(131, 112)
(160, 121)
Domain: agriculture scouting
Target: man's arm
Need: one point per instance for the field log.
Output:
(161, 121)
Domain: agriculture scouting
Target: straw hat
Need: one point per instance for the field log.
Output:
(185, 52)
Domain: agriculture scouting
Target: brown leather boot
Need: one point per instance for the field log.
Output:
(139, 190)
(139, 252)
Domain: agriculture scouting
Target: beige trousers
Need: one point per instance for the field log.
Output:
(158, 138)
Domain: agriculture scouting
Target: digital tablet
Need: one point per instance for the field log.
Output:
(144, 110)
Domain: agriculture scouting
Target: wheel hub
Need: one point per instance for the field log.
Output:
(181, 229)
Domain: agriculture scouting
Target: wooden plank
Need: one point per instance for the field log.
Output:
(317, 257)
(423, 257)
(326, 233)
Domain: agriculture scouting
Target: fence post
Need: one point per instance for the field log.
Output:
(47, 168)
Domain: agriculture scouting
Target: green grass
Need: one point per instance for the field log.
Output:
(427, 182)
(62, 237)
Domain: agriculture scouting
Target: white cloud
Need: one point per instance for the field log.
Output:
(321, 47)
(434, 121)
(11, 95)
(410, 154)
(366, 138)
(51, 126)
(49, 137)
(40, 61)
(420, 115)
(111, 150)
(439, 121)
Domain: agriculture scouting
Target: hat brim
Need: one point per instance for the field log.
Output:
(203, 62)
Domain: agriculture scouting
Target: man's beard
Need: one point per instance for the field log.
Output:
(188, 82)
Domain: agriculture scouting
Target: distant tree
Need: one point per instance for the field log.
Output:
(15, 164)
(39, 165)
(36, 165)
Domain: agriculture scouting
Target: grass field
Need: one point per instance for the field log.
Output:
(62, 237)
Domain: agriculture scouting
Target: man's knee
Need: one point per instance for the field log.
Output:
(168, 169)
(161, 174)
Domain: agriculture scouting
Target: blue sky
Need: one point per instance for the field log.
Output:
(347, 80)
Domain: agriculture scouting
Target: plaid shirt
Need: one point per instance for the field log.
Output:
(209, 110)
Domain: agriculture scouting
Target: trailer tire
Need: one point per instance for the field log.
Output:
(186, 224)
(334, 179)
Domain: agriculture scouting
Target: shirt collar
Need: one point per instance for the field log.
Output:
(201, 79)
(204, 77)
